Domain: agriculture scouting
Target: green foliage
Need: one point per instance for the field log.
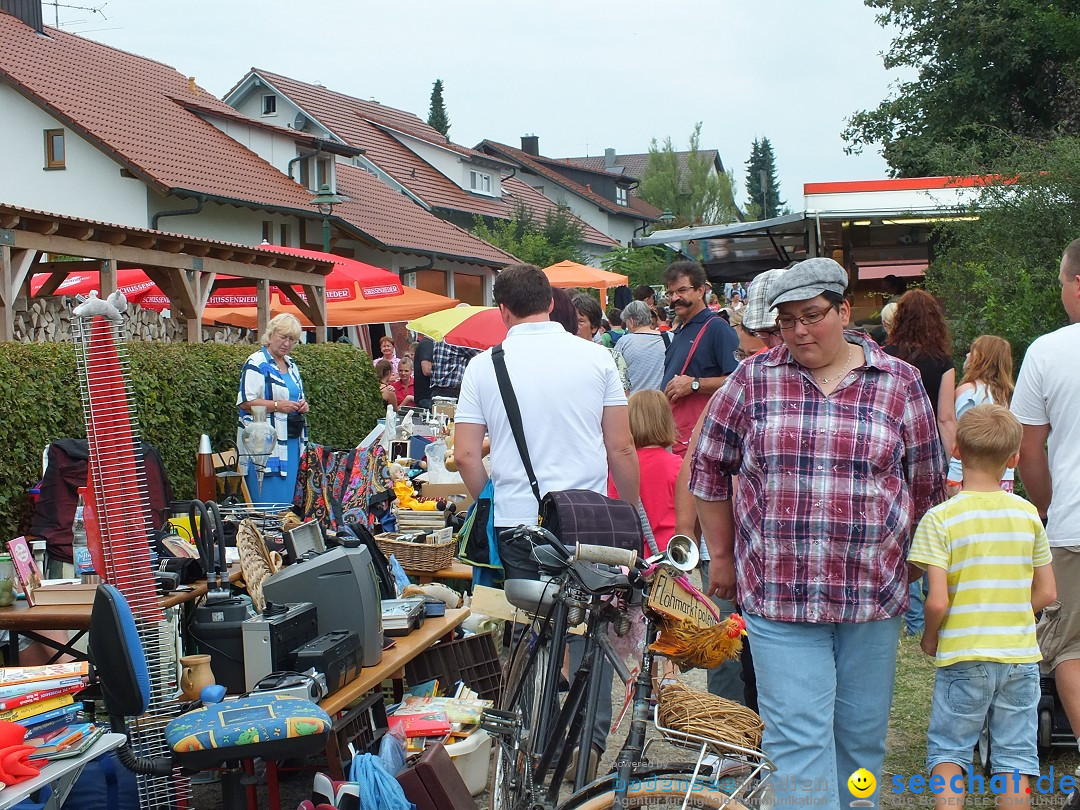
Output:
(998, 274)
(559, 237)
(437, 117)
(640, 265)
(685, 184)
(984, 72)
(181, 391)
(761, 160)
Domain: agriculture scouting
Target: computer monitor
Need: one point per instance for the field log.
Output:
(304, 541)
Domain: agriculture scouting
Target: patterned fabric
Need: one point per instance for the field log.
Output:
(448, 364)
(244, 722)
(333, 485)
(260, 378)
(584, 516)
(830, 487)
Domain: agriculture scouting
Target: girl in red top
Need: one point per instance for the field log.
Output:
(653, 428)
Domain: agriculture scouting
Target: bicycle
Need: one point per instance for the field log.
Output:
(535, 733)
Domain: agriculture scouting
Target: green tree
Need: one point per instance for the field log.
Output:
(997, 270)
(640, 265)
(761, 160)
(437, 117)
(685, 184)
(985, 72)
(555, 238)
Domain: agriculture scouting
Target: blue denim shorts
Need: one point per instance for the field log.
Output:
(969, 692)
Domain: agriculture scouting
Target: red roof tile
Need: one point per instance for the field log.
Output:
(133, 108)
(371, 126)
(541, 166)
(634, 165)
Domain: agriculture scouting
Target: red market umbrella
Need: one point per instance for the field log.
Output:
(473, 327)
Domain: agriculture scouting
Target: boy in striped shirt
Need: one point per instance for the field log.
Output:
(988, 561)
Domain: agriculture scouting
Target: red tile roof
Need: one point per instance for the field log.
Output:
(637, 208)
(371, 127)
(133, 109)
(634, 165)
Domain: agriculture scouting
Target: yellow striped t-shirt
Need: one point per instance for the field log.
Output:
(988, 543)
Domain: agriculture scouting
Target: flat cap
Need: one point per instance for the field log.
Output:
(808, 279)
(757, 314)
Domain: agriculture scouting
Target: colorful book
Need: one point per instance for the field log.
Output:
(68, 741)
(27, 573)
(20, 689)
(427, 724)
(25, 699)
(42, 706)
(9, 676)
(457, 710)
(61, 716)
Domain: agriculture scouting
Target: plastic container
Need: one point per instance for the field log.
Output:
(472, 659)
(472, 758)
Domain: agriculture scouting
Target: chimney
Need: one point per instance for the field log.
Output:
(530, 145)
(29, 11)
(609, 159)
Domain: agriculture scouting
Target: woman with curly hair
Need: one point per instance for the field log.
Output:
(920, 336)
(988, 377)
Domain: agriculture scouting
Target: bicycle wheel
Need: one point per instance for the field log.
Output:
(652, 791)
(511, 780)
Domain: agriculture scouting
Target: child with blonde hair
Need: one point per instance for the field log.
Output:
(653, 428)
(988, 561)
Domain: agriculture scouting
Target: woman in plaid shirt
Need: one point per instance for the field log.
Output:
(837, 454)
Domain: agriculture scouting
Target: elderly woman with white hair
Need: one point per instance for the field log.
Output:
(270, 378)
(642, 347)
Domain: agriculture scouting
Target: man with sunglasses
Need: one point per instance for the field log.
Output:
(837, 454)
(702, 350)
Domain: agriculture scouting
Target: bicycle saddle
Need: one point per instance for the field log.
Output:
(599, 580)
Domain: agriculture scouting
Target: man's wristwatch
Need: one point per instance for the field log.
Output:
(695, 385)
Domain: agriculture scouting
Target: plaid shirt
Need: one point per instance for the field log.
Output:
(830, 488)
(448, 364)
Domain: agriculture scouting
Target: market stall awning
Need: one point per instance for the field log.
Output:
(904, 268)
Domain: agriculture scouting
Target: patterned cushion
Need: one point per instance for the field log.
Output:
(270, 726)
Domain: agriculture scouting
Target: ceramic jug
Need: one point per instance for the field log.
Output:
(196, 675)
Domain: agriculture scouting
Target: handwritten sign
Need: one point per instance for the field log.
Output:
(669, 598)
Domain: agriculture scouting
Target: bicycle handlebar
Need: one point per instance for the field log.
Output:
(605, 555)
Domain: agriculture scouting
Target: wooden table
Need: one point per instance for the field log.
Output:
(391, 667)
(456, 570)
(22, 619)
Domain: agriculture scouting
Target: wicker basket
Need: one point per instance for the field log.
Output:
(426, 558)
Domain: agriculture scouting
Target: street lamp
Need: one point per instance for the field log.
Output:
(667, 218)
(325, 201)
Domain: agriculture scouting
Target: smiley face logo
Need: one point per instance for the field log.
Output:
(862, 783)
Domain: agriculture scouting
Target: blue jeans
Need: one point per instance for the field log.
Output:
(965, 694)
(914, 620)
(824, 692)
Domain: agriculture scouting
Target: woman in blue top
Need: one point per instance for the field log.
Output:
(270, 378)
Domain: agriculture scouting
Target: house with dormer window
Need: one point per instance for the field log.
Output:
(451, 181)
(95, 132)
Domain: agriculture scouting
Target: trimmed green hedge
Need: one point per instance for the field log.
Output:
(181, 391)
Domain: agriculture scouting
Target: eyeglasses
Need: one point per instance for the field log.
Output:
(286, 338)
(681, 291)
(763, 334)
(806, 319)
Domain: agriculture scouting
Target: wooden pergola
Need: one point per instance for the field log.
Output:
(186, 268)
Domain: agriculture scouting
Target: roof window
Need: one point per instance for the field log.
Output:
(269, 104)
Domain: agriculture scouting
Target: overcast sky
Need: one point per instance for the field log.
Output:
(581, 74)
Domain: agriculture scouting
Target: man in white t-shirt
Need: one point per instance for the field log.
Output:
(1047, 403)
(574, 414)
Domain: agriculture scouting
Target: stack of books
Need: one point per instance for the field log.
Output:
(423, 719)
(42, 700)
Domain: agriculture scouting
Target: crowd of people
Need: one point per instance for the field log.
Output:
(845, 489)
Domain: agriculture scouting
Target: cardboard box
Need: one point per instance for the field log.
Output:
(456, 492)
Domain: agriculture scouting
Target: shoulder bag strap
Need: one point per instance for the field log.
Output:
(513, 413)
(697, 340)
(667, 341)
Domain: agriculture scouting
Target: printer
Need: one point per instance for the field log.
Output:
(343, 585)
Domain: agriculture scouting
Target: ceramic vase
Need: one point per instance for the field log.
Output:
(195, 676)
(258, 438)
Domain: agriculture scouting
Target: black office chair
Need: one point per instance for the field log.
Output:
(212, 736)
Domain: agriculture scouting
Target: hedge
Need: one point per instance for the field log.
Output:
(181, 391)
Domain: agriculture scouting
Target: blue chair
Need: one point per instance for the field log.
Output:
(218, 735)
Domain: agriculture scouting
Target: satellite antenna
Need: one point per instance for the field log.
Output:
(300, 121)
